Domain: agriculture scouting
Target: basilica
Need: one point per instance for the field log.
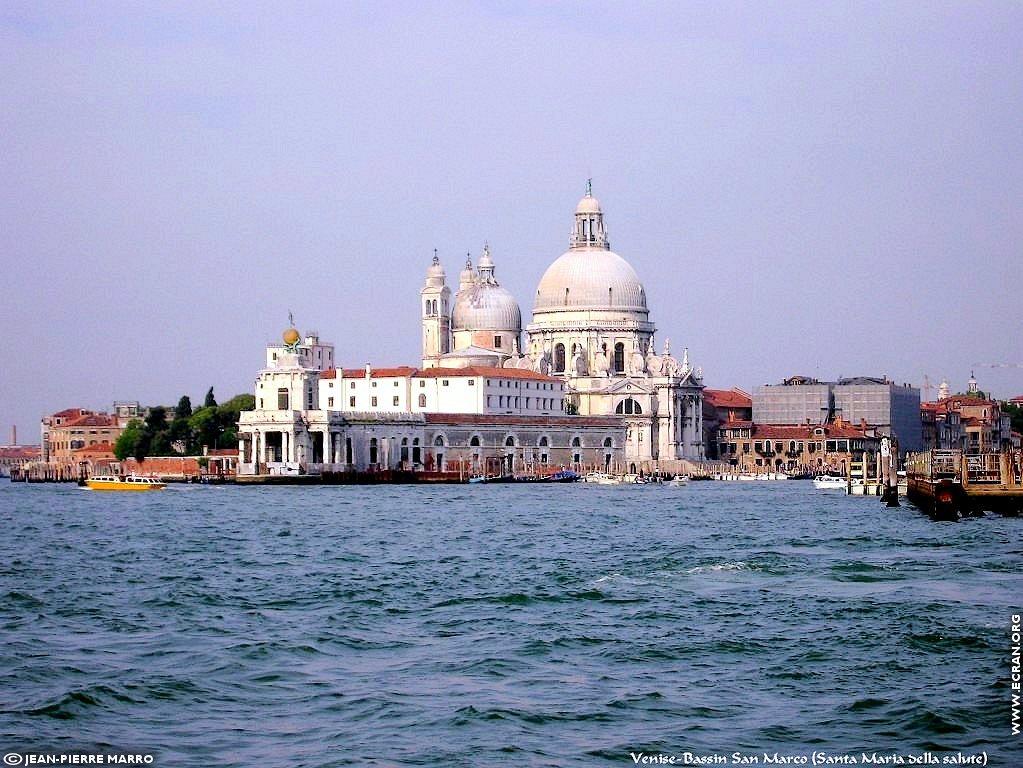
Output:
(582, 385)
(591, 328)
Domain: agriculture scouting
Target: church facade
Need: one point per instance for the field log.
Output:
(582, 385)
(590, 328)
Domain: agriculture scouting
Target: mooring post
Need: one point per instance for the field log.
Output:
(888, 474)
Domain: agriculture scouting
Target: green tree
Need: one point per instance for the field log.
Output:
(128, 440)
(227, 417)
(205, 427)
(157, 431)
(210, 401)
(1015, 416)
(179, 432)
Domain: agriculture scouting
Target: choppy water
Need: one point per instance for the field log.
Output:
(500, 625)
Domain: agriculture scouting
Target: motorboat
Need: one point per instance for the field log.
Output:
(830, 482)
(129, 483)
(679, 480)
(602, 478)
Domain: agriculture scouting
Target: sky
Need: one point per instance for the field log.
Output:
(823, 189)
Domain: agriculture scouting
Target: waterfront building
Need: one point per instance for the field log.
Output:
(590, 328)
(17, 456)
(474, 419)
(893, 409)
(722, 407)
(817, 448)
(969, 423)
(85, 431)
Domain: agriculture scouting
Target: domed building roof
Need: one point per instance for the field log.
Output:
(590, 276)
(484, 305)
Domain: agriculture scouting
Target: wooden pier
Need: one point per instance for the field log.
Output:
(949, 484)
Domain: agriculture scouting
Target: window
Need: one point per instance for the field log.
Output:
(559, 358)
(422, 401)
(373, 384)
(351, 385)
(422, 382)
(373, 403)
(330, 402)
(395, 400)
(395, 382)
(282, 399)
(497, 342)
(351, 401)
(373, 450)
(444, 382)
(619, 361)
(472, 382)
(628, 406)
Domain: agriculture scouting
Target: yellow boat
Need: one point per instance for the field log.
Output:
(129, 483)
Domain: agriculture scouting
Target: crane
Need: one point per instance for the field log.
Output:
(998, 365)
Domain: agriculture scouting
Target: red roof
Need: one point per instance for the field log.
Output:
(70, 413)
(475, 370)
(731, 398)
(796, 431)
(436, 373)
(93, 420)
(99, 449)
(359, 373)
(465, 419)
(20, 452)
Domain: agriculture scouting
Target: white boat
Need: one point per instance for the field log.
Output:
(829, 482)
(602, 478)
(129, 483)
(679, 480)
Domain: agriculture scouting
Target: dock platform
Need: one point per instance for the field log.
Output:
(949, 484)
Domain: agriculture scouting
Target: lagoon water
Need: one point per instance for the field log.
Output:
(501, 625)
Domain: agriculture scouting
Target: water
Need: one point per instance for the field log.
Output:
(500, 625)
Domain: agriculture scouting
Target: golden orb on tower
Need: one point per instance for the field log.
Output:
(291, 337)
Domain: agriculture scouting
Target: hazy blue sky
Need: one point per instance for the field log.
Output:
(817, 188)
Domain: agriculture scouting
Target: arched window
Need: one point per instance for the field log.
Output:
(559, 358)
(422, 401)
(475, 441)
(576, 442)
(544, 442)
(629, 407)
(509, 441)
(608, 443)
(619, 362)
(373, 450)
(426, 308)
(439, 441)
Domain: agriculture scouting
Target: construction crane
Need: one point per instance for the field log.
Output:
(927, 388)
(998, 365)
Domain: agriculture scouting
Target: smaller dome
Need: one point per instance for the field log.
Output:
(291, 336)
(589, 204)
(486, 307)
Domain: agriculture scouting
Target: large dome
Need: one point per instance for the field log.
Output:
(592, 279)
(485, 307)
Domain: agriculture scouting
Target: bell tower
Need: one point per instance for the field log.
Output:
(436, 313)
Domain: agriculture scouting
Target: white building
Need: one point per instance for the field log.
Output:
(474, 419)
(587, 387)
(591, 329)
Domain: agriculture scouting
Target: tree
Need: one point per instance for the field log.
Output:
(128, 440)
(1015, 416)
(179, 432)
(210, 401)
(156, 439)
(205, 427)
